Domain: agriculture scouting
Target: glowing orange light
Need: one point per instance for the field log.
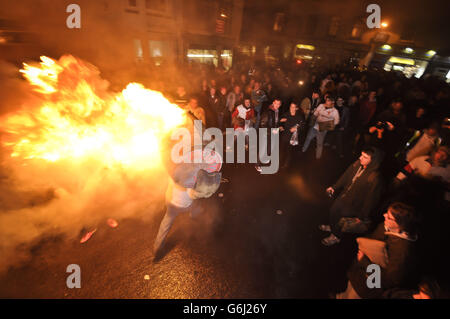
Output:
(80, 119)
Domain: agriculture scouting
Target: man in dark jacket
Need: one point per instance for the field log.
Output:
(398, 233)
(340, 131)
(273, 124)
(388, 129)
(258, 98)
(293, 123)
(212, 109)
(223, 115)
(274, 114)
(361, 188)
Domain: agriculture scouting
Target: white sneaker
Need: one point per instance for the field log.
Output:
(330, 240)
(326, 228)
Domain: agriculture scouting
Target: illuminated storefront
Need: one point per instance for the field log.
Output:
(210, 56)
(410, 61)
(409, 67)
(304, 52)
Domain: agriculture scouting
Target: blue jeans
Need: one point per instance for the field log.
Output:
(169, 217)
(320, 137)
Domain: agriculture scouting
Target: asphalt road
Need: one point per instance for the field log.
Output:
(240, 247)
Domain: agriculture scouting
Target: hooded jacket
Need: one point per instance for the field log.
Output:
(363, 194)
(401, 270)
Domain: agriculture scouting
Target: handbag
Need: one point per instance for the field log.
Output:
(326, 126)
(375, 250)
(294, 138)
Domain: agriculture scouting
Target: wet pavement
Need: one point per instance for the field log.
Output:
(239, 248)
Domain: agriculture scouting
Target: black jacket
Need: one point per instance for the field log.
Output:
(391, 140)
(401, 268)
(272, 121)
(362, 197)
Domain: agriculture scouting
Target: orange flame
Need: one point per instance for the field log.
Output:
(80, 119)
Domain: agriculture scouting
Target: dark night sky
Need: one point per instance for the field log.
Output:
(429, 19)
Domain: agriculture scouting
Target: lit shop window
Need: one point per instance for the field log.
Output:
(279, 22)
(357, 31)
(210, 56)
(409, 67)
(248, 50)
(202, 56)
(430, 53)
(159, 50)
(227, 58)
(138, 52)
(304, 51)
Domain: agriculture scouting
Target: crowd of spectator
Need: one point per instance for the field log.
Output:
(394, 130)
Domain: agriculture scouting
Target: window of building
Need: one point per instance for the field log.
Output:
(201, 17)
(202, 56)
(159, 49)
(227, 58)
(356, 31)
(138, 52)
(224, 15)
(358, 28)
(132, 6)
(334, 26)
(311, 24)
(156, 5)
(279, 22)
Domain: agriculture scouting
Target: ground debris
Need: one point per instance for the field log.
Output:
(112, 223)
(87, 236)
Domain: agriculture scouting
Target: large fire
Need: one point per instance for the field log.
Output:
(74, 154)
(80, 119)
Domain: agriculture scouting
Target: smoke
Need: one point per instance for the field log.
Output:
(14, 91)
(41, 199)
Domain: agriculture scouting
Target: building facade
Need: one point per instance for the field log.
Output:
(122, 34)
(332, 32)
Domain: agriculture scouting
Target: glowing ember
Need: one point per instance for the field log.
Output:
(80, 119)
